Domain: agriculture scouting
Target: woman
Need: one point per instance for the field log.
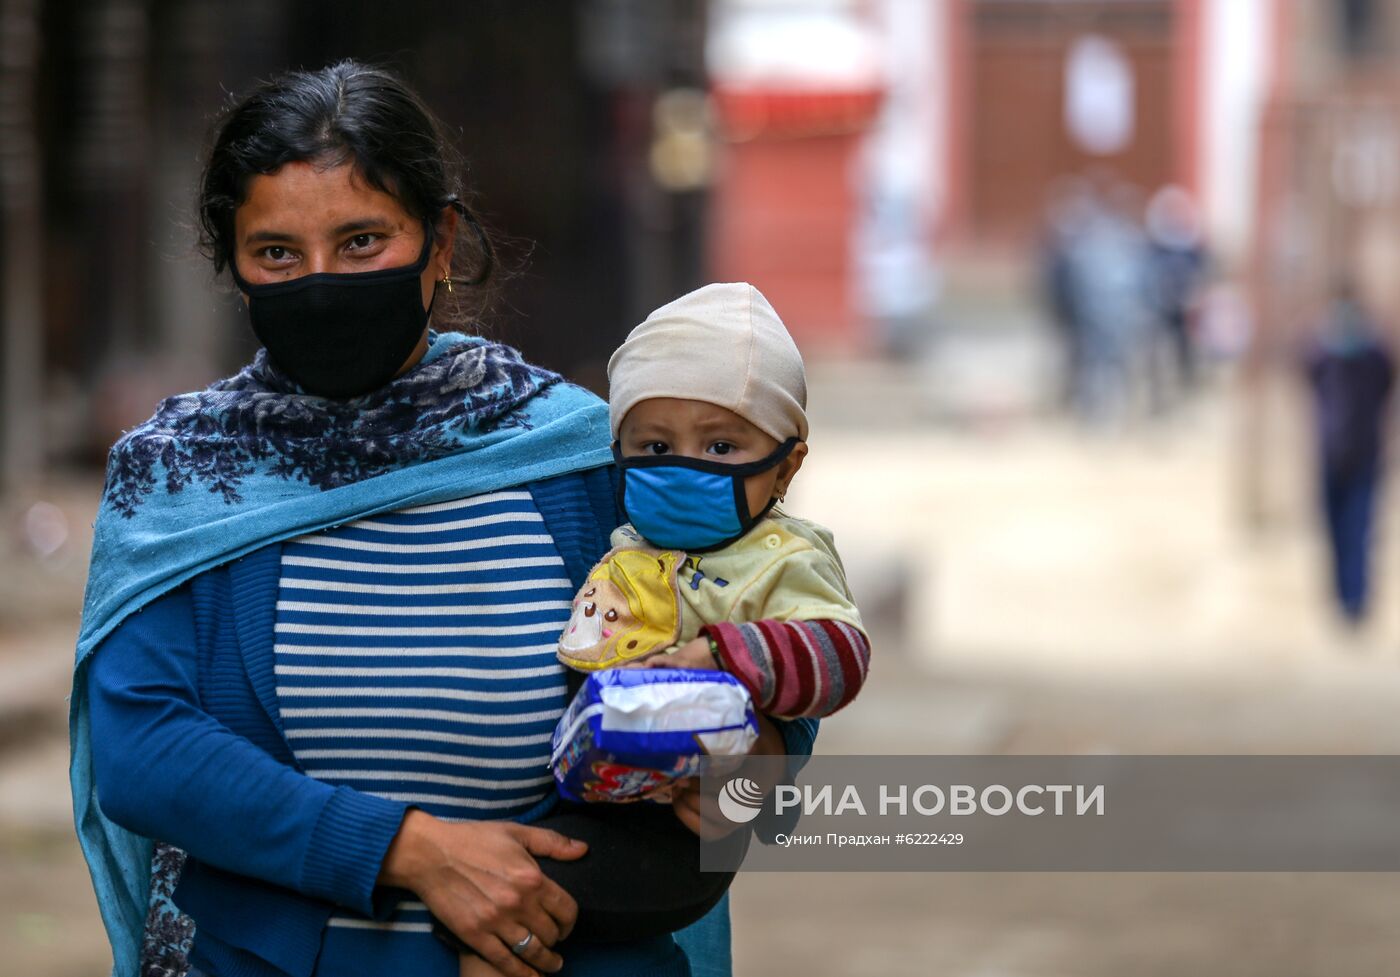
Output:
(317, 641)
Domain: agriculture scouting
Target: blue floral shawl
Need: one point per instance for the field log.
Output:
(252, 460)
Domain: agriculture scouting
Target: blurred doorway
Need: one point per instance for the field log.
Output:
(1036, 68)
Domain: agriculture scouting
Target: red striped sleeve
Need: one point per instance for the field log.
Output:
(794, 668)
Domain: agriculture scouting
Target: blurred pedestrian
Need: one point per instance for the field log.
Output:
(1066, 213)
(1351, 371)
(1177, 260)
(1107, 280)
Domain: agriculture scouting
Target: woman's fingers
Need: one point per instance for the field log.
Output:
(529, 900)
(490, 891)
(482, 930)
(536, 953)
(497, 927)
(552, 900)
(544, 843)
(544, 894)
(500, 956)
(561, 907)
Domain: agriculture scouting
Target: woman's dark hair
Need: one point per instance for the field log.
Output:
(347, 112)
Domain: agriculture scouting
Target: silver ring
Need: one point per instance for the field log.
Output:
(523, 945)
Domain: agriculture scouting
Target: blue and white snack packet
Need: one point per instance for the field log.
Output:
(633, 731)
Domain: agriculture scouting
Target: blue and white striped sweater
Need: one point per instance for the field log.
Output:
(415, 660)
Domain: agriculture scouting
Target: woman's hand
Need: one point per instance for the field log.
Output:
(480, 878)
(765, 765)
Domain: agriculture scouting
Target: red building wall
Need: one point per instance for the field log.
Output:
(784, 206)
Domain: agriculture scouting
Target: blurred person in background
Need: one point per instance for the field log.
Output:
(316, 678)
(1066, 213)
(1177, 261)
(1106, 282)
(1351, 371)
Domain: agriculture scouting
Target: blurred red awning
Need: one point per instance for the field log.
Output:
(755, 113)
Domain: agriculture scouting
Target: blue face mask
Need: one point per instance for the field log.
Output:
(681, 503)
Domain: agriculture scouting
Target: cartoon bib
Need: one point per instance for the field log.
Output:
(628, 607)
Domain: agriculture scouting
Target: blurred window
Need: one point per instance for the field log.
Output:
(1098, 96)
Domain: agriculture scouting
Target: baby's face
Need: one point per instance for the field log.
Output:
(696, 429)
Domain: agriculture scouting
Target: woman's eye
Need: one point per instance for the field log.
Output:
(361, 241)
(722, 448)
(275, 252)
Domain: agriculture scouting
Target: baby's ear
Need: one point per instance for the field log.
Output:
(792, 464)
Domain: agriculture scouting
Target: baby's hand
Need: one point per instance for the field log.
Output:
(473, 966)
(692, 654)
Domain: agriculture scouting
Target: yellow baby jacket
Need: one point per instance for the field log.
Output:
(639, 599)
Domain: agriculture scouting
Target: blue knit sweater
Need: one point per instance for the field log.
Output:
(188, 714)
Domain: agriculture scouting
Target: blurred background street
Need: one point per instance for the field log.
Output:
(1085, 288)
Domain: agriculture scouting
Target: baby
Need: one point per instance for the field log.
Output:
(708, 405)
(707, 400)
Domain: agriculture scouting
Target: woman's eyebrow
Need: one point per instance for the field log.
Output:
(349, 227)
(257, 237)
(362, 224)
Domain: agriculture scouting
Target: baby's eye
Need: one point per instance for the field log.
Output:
(722, 448)
(656, 447)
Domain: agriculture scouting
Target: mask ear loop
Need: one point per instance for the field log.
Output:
(747, 519)
(488, 253)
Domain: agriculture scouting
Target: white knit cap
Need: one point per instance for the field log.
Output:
(722, 344)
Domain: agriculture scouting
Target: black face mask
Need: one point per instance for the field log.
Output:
(341, 335)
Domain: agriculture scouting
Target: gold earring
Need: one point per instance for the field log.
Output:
(446, 280)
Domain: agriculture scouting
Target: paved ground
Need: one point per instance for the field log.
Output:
(1033, 590)
(1083, 925)
(1064, 593)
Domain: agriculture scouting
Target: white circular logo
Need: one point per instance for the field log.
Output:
(740, 800)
